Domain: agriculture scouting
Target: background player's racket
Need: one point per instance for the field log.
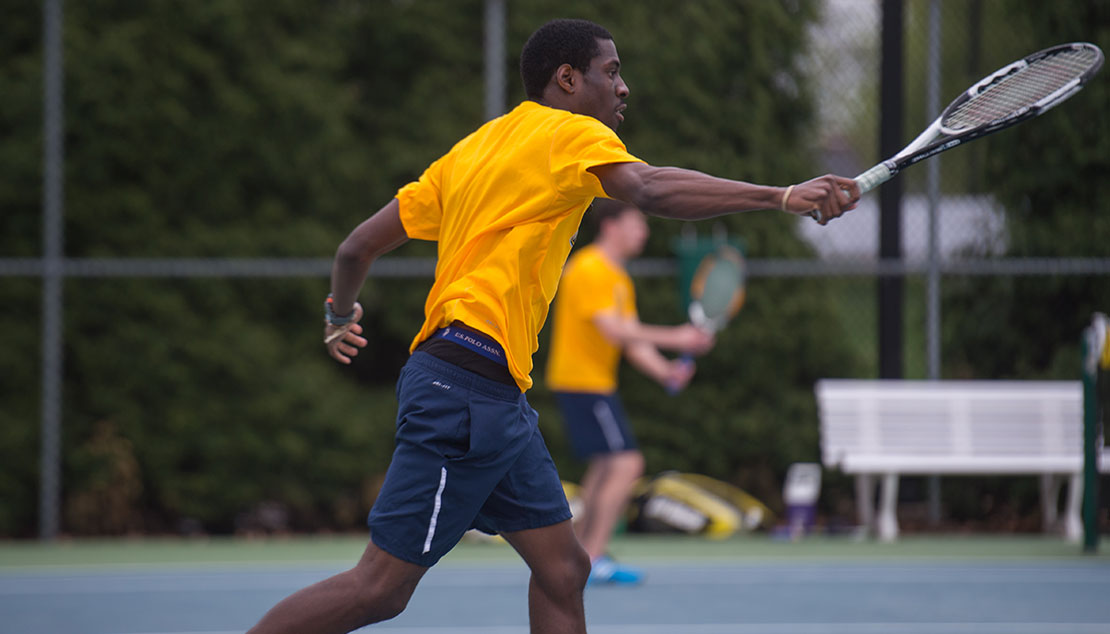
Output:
(717, 291)
(1012, 94)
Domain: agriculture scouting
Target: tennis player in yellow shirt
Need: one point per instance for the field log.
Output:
(595, 321)
(503, 205)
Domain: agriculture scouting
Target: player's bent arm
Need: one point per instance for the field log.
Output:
(622, 331)
(616, 329)
(673, 192)
(377, 235)
(647, 359)
(625, 332)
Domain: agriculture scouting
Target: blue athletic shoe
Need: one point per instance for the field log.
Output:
(607, 571)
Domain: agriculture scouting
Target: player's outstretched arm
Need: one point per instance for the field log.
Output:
(377, 235)
(673, 192)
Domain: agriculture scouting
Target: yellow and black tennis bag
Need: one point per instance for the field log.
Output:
(674, 502)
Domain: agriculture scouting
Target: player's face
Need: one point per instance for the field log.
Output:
(633, 230)
(603, 90)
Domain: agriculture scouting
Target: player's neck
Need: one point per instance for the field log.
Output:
(559, 102)
(612, 252)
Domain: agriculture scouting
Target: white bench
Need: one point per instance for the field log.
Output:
(888, 428)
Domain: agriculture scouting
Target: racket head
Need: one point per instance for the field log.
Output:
(718, 288)
(1022, 89)
(1008, 96)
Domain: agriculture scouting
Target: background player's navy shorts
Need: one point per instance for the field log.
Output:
(596, 423)
(469, 454)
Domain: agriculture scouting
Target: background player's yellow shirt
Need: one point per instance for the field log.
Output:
(504, 205)
(581, 358)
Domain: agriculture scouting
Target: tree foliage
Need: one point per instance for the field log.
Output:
(269, 129)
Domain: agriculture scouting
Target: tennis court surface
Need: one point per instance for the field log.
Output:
(744, 585)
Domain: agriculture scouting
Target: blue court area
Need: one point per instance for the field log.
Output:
(757, 587)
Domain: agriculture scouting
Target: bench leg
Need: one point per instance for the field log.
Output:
(1073, 526)
(865, 496)
(1050, 493)
(888, 519)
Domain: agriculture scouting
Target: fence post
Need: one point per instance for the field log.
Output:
(53, 203)
(1096, 355)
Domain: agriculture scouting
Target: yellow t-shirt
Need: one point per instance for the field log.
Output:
(504, 205)
(582, 359)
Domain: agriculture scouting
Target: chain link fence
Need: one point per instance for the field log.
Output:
(952, 226)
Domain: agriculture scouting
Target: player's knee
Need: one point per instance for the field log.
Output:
(380, 599)
(637, 465)
(582, 565)
(574, 570)
(563, 576)
(383, 604)
(631, 464)
(392, 605)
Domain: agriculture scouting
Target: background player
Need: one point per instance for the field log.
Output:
(595, 321)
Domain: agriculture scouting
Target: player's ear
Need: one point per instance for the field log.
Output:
(564, 77)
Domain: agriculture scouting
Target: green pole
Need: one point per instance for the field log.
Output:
(1094, 341)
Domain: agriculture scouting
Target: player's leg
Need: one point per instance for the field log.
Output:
(431, 493)
(376, 589)
(529, 509)
(559, 568)
(379, 586)
(587, 490)
(599, 432)
(609, 482)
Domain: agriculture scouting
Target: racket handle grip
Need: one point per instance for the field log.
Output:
(874, 177)
(867, 181)
(673, 389)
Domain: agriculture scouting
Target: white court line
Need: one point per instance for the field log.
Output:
(758, 628)
(54, 585)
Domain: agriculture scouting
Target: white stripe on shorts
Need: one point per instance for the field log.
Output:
(609, 427)
(435, 510)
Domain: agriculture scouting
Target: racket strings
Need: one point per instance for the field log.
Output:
(719, 286)
(1022, 88)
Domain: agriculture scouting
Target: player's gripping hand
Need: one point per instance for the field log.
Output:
(678, 374)
(825, 197)
(343, 342)
(693, 341)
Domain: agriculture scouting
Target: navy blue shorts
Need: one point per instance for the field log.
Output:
(469, 454)
(596, 423)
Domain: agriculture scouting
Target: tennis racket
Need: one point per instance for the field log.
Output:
(1012, 94)
(717, 292)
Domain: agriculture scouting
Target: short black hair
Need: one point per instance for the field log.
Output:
(556, 43)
